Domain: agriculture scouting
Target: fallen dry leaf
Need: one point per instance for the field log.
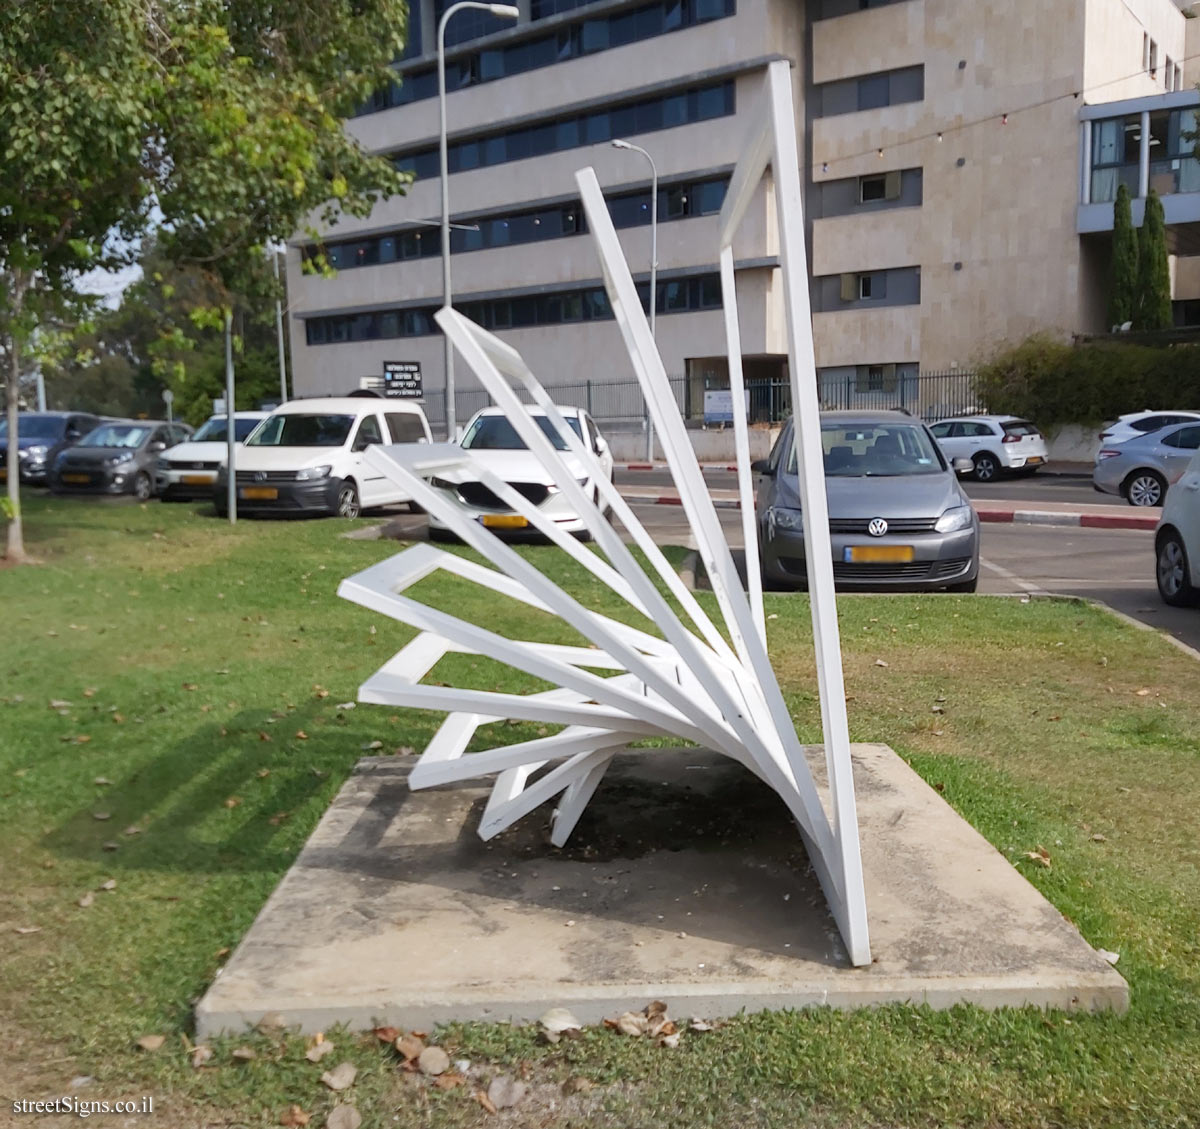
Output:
(558, 1019)
(294, 1117)
(341, 1076)
(409, 1047)
(151, 1042)
(86, 900)
(367, 746)
(278, 818)
(343, 1117)
(1041, 856)
(263, 773)
(90, 692)
(132, 829)
(700, 1025)
(245, 1054)
(263, 736)
(101, 781)
(201, 1055)
(190, 686)
(59, 704)
(110, 884)
(233, 802)
(301, 735)
(880, 662)
(25, 930)
(485, 1101)
(1098, 838)
(449, 1080)
(387, 1034)
(318, 1051)
(101, 815)
(271, 1022)
(670, 1041)
(631, 1024)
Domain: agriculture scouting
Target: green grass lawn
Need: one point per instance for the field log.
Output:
(169, 719)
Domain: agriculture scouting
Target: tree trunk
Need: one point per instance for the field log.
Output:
(15, 551)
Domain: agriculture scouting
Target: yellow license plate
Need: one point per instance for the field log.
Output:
(3, 474)
(1033, 460)
(878, 554)
(77, 478)
(196, 479)
(504, 521)
(259, 493)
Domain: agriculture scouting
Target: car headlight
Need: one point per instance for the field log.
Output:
(163, 464)
(117, 460)
(312, 473)
(780, 518)
(442, 484)
(954, 519)
(35, 454)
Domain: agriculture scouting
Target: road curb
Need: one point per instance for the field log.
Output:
(675, 500)
(1064, 517)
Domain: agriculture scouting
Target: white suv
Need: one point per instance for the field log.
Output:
(992, 443)
(1141, 423)
(306, 458)
(1177, 540)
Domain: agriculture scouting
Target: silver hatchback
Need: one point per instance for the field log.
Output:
(897, 515)
(1140, 470)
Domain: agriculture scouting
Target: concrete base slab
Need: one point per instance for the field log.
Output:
(685, 881)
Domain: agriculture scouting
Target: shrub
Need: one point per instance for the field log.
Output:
(1053, 383)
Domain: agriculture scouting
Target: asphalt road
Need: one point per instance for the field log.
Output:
(1038, 488)
(1115, 566)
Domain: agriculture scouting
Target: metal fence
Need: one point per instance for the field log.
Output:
(619, 404)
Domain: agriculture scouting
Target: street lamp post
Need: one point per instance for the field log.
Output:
(504, 11)
(619, 143)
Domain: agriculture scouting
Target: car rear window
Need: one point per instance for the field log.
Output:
(1020, 427)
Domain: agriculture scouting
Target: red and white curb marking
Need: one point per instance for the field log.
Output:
(987, 514)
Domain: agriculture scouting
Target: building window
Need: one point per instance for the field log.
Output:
(1168, 71)
(876, 378)
(1153, 59)
(696, 104)
(582, 37)
(872, 287)
(1115, 146)
(628, 209)
(871, 92)
(678, 296)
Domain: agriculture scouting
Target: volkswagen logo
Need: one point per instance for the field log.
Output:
(261, 476)
(877, 527)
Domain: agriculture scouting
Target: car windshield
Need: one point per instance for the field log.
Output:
(495, 433)
(213, 430)
(875, 450)
(297, 429)
(128, 435)
(35, 427)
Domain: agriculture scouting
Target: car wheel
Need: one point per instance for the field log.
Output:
(1145, 488)
(348, 504)
(966, 586)
(986, 467)
(1173, 573)
(143, 488)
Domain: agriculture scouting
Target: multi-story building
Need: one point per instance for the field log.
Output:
(950, 169)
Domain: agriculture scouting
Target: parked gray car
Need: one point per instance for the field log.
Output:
(118, 457)
(1140, 470)
(897, 515)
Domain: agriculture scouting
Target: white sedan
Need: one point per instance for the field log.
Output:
(1177, 540)
(189, 470)
(993, 444)
(495, 444)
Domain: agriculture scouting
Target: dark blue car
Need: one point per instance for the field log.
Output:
(41, 436)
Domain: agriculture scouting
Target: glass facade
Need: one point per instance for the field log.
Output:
(583, 37)
(532, 225)
(552, 135)
(1116, 150)
(677, 296)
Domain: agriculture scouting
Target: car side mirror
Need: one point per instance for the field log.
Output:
(601, 445)
(962, 466)
(156, 446)
(74, 435)
(762, 466)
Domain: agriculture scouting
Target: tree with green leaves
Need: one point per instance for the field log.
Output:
(1123, 278)
(1153, 311)
(220, 121)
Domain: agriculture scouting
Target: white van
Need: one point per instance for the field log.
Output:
(306, 457)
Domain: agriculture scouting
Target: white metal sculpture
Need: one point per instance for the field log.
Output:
(691, 679)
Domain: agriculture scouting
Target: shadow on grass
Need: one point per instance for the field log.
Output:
(225, 798)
